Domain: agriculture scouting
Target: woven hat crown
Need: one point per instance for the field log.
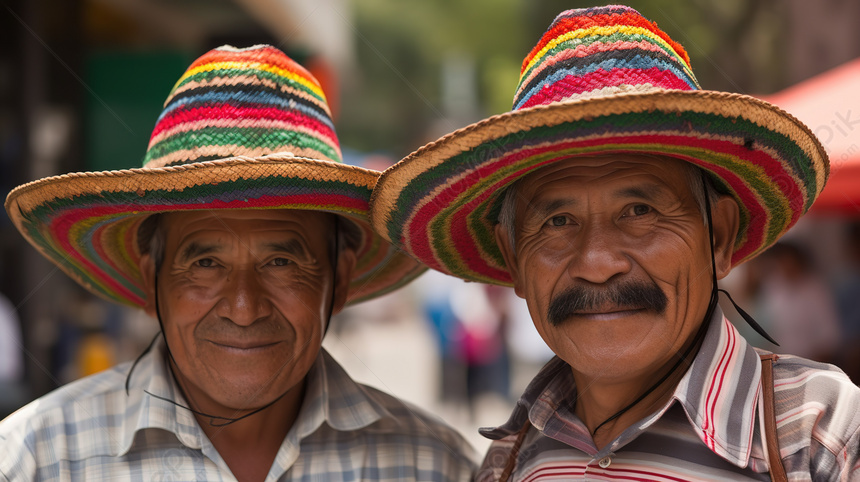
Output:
(241, 129)
(601, 51)
(601, 81)
(243, 102)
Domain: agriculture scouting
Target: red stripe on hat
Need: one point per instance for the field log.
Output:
(98, 247)
(129, 242)
(579, 22)
(578, 84)
(267, 55)
(233, 112)
(419, 241)
(581, 51)
(61, 225)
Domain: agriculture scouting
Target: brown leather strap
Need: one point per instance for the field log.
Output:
(515, 452)
(777, 471)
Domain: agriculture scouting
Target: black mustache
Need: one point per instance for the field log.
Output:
(580, 299)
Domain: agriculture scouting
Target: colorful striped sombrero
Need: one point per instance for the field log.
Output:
(241, 129)
(600, 81)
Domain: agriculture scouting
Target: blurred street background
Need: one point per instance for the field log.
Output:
(82, 82)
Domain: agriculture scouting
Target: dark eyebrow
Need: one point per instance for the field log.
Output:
(195, 249)
(649, 192)
(292, 246)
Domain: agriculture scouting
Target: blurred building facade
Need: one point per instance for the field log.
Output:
(81, 84)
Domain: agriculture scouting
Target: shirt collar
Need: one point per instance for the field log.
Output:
(718, 393)
(144, 410)
(331, 397)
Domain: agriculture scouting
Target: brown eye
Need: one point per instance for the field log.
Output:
(641, 209)
(280, 262)
(558, 220)
(205, 263)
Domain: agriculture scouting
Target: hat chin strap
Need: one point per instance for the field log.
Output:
(715, 291)
(215, 420)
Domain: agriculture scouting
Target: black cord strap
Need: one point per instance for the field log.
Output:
(749, 319)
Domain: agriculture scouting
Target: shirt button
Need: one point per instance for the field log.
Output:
(604, 462)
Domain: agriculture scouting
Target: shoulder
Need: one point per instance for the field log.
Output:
(370, 424)
(413, 432)
(355, 406)
(802, 384)
(817, 413)
(412, 421)
(409, 419)
(67, 423)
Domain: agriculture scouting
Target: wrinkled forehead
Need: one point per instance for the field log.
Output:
(313, 226)
(608, 172)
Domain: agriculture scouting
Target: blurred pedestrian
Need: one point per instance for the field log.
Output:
(437, 292)
(848, 294)
(13, 391)
(797, 303)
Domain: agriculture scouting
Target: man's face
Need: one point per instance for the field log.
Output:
(244, 296)
(612, 256)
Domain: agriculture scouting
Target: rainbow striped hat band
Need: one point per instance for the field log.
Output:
(600, 81)
(241, 129)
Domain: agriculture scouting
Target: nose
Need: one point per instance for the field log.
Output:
(244, 298)
(598, 254)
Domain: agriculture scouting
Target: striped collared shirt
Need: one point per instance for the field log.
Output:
(711, 429)
(91, 430)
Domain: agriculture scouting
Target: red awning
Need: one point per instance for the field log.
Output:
(829, 104)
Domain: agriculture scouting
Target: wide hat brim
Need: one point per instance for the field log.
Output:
(441, 202)
(87, 223)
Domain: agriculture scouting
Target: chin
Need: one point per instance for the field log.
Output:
(248, 396)
(609, 355)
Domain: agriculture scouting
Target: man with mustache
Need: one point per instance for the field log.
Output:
(242, 235)
(612, 198)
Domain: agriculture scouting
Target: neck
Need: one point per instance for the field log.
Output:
(248, 446)
(602, 400)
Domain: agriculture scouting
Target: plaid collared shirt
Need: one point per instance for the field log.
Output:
(711, 429)
(91, 430)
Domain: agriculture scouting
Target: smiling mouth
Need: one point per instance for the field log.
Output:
(245, 347)
(608, 314)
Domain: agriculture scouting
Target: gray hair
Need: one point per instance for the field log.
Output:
(151, 239)
(694, 174)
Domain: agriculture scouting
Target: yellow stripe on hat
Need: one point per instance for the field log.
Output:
(313, 87)
(599, 31)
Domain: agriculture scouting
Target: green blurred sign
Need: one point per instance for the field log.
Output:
(127, 95)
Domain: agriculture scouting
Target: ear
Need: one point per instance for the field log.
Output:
(147, 272)
(726, 218)
(345, 264)
(509, 256)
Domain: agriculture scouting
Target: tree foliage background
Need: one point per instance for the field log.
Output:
(394, 102)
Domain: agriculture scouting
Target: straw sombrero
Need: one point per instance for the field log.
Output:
(241, 129)
(600, 81)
